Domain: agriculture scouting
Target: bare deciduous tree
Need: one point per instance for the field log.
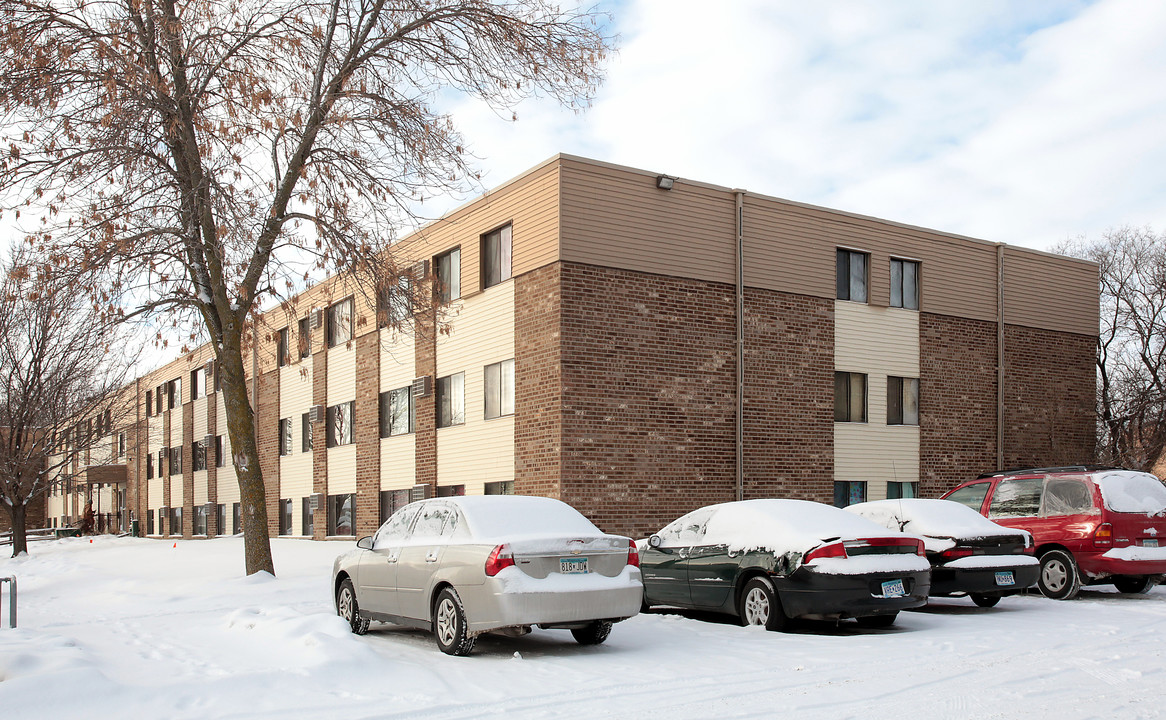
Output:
(58, 387)
(195, 158)
(1131, 349)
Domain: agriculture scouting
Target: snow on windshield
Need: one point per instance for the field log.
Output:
(507, 516)
(783, 525)
(936, 518)
(1132, 492)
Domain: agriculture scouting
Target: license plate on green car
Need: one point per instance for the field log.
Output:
(573, 566)
(894, 588)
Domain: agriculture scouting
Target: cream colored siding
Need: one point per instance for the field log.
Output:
(295, 470)
(481, 334)
(226, 481)
(176, 492)
(342, 469)
(877, 342)
(398, 368)
(341, 389)
(156, 488)
(1045, 291)
(102, 452)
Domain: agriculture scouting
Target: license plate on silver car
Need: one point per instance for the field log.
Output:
(573, 566)
(1005, 578)
(894, 588)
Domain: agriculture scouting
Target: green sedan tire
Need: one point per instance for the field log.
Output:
(759, 604)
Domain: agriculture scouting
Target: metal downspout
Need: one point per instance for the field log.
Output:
(740, 205)
(1000, 356)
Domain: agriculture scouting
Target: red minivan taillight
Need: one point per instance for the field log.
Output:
(833, 550)
(1103, 536)
(633, 554)
(501, 557)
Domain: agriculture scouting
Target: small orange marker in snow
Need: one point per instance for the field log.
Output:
(175, 545)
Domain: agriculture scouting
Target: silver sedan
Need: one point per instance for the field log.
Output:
(462, 566)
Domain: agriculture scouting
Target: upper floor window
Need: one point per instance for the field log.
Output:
(396, 412)
(448, 269)
(902, 401)
(495, 258)
(339, 424)
(173, 393)
(305, 337)
(282, 348)
(904, 284)
(220, 456)
(149, 403)
(339, 323)
(175, 461)
(451, 400)
(285, 436)
(395, 301)
(849, 397)
(159, 403)
(198, 383)
(499, 389)
(306, 432)
(852, 275)
(198, 455)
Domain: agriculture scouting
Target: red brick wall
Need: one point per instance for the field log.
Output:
(212, 470)
(425, 408)
(538, 397)
(187, 470)
(1050, 386)
(957, 401)
(320, 442)
(267, 440)
(789, 396)
(367, 433)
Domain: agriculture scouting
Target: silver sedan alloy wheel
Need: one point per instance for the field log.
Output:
(447, 621)
(344, 604)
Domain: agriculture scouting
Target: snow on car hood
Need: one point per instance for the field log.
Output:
(1125, 491)
(784, 526)
(938, 521)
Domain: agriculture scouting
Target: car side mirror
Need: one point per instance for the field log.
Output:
(365, 543)
(654, 541)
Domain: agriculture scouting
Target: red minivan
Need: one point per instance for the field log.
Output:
(1090, 526)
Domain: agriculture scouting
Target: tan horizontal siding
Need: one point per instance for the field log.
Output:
(1051, 293)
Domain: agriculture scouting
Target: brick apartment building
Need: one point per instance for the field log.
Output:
(637, 346)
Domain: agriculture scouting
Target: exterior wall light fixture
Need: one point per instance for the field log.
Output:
(664, 182)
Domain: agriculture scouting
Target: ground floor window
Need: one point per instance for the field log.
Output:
(220, 519)
(149, 522)
(308, 518)
(236, 519)
(503, 487)
(175, 521)
(849, 492)
(897, 490)
(392, 501)
(451, 490)
(199, 520)
(285, 516)
(342, 514)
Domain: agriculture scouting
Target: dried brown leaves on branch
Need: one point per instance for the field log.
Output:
(1131, 349)
(192, 158)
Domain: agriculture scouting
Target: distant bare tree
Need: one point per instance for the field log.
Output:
(58, 383)
(1131, 349)
(196, 158)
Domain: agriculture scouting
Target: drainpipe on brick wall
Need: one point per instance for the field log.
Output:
(740, 205)
(1000, 356)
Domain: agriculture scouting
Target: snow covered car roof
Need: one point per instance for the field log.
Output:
(931, 518)
(1125, 491)
(507, 517)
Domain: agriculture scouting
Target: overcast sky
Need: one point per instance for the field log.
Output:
(1022, 121)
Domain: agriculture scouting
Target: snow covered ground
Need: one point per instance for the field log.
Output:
(143, 629)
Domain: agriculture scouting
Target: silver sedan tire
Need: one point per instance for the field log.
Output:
(347, 608)
(449, 624)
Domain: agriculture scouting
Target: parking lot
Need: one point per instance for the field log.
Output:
(144, 628)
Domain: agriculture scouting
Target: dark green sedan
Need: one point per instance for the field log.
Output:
(769, 561)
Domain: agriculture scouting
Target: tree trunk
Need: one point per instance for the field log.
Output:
(245, 455)
(19, 529)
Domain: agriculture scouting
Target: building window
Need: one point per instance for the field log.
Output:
(306, 433)
(395, 302)
(198, 383)
(308, 518)
(285, 437)
(236, 519)
(176, 460)
(121, 444)
(339, 430)
(149, 466)
(174, 393)
(149, 403)
(391, 502)
(199, 520)
(175, 521)
(902, 401)
(449, 275)
(305, 337)
(451, 490)
(342, 514)
(849, 397)
(502, 487)
(339, 330)
(282, 348)
(198, 455)
(149, 522)
(451, 400)
(218, 376)
(904, 284)
(495, 257)
(898, 490)
(499, 384)
(849, 492)
(396, 412)
(220, 456)
(158, 399)
(852, 275)
(285, 516)
(220, 519)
